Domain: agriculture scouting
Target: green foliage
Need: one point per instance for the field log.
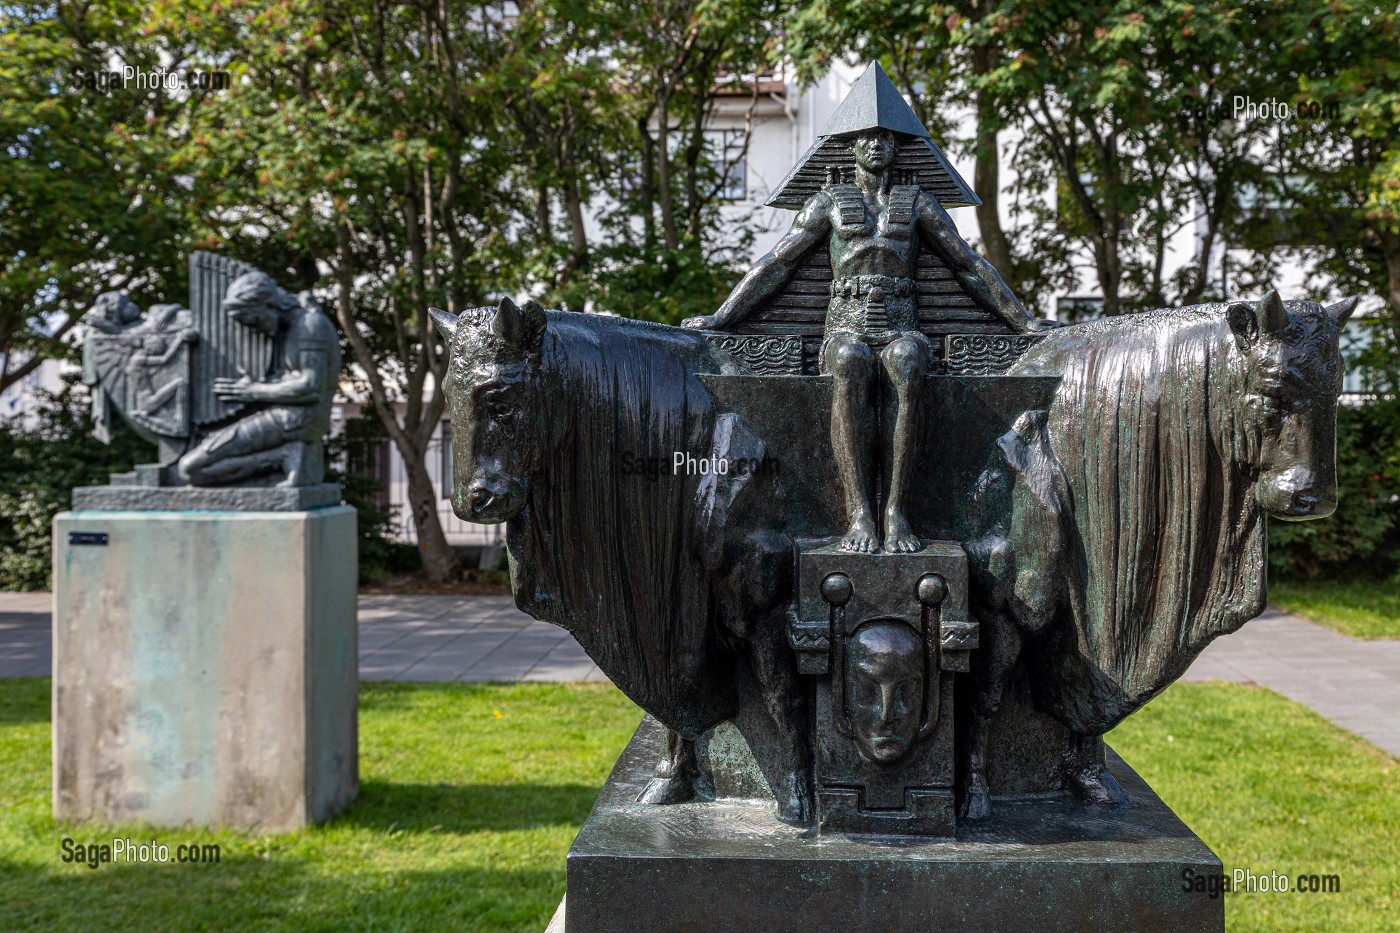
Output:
(44, 461)
(86, 201)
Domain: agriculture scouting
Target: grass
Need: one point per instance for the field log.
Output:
(1272, 786)
(1360, 608)
(465, 816)
(470, 797)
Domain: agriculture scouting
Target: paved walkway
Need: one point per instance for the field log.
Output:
(428, 638)
(1356, 684)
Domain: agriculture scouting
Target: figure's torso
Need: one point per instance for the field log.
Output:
(309, 331)
(873, 235)
(874, 252)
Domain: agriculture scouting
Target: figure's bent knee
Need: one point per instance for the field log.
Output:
(905, 358)
(847, 356)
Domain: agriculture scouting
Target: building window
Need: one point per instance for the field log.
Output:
(728, 149)
(446, 452)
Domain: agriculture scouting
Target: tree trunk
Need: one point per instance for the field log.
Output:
(439, 560)
(1391, 244)
(986, 174)
(986, 182)
(664, 196)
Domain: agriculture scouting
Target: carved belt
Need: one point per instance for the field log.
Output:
(877, 308)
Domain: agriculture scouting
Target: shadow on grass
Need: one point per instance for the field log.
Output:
(288, 892)
(467, 808)
(24, 701)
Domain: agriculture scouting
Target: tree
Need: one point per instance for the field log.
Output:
(1105, 89)
(356, 145)
(83, 204)
(1341, 155)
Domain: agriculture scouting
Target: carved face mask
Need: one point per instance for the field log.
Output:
(885, 689)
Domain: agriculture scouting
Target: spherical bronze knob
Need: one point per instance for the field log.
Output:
(837, 589)
(932, 590)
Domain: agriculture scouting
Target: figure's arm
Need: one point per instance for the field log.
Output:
(303, 386)
(772, 271)
(188, 335)
(976, 274)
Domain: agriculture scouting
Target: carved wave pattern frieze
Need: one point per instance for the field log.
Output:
(984, 354)
(763, 355)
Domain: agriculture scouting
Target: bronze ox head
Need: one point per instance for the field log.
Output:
(494, 399)
(1293, 379)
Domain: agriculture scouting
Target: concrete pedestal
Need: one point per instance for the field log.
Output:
(205, 667)
(1037, 865)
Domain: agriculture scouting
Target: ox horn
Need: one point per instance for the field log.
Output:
(446, 322)
(521, 327)
(1342, 310)
(1273, 319)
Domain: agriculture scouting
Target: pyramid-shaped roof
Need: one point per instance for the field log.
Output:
(873, 103)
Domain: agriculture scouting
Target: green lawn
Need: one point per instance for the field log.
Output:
(1359, 608)
(465, 816)
(470, 797)
(1272, 786)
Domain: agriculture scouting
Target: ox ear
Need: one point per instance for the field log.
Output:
(1342, 310)
(519, 328)
(445, 321)
(1266, 318)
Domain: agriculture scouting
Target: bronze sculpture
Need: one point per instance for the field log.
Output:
(1071, 515)
(236, 389)
(873, 223)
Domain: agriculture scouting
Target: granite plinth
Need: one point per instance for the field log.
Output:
(1045, 865)
(206, 498)
(204, 667)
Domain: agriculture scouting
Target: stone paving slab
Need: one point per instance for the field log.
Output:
(1354, 683)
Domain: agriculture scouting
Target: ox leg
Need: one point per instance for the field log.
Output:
(674, 779)
(1085, 775)
(784, 700)
(993, 662)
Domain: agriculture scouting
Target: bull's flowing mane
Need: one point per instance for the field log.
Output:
(1151, 426)
(608, 556)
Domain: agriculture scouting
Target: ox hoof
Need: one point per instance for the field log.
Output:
(1095, 785)
(977, 802)
(667, 790)
(795, 804)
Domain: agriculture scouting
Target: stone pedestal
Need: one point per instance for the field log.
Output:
(1041, 865)
(205, 667)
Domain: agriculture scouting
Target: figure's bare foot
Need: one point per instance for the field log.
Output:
(862, 536)
(899, 537)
